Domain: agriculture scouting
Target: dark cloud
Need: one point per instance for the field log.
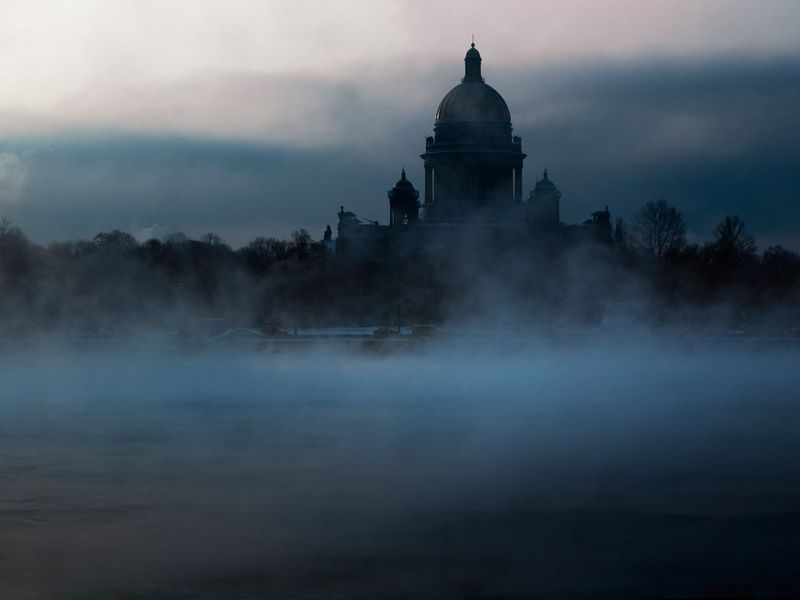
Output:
(713, 137)
(78, 187)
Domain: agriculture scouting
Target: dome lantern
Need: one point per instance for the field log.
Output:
(472, 66)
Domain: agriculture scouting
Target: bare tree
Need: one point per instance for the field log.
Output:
(114, 241)
(177, 239)
(9, 234)
(262, 252)
(732, 243)
(214, 241)
(301, 241)
(659, 228)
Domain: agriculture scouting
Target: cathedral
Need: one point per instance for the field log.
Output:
(472, 190)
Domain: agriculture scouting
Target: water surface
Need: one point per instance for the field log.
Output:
(611, 471)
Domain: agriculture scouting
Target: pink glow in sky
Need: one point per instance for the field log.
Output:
(241, 69)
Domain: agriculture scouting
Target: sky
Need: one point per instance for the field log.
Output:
(258, 118)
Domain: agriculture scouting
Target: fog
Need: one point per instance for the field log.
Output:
(559, 469)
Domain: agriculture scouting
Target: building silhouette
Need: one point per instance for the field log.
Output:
(472, 190)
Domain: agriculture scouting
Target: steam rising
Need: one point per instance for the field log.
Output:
(566, 470)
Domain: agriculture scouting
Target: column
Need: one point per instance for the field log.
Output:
(518, 183)
(428, 183)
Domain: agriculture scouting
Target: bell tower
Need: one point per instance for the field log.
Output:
(403, 202)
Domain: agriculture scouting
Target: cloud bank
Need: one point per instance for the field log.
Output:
(714, 137)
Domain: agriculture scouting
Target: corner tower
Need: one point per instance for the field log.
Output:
(543, 210)
(403, 203)
(473, 165)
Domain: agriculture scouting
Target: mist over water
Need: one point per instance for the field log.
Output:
(557, 471)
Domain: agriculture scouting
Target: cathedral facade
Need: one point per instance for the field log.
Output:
(472, 190)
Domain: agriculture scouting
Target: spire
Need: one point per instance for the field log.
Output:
(403, 174)
(472, 65)
(545, 174)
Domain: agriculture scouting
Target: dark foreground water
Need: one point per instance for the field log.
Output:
(603, 472)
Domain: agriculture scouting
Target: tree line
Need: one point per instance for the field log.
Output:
(115, 282)
(728, 263)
